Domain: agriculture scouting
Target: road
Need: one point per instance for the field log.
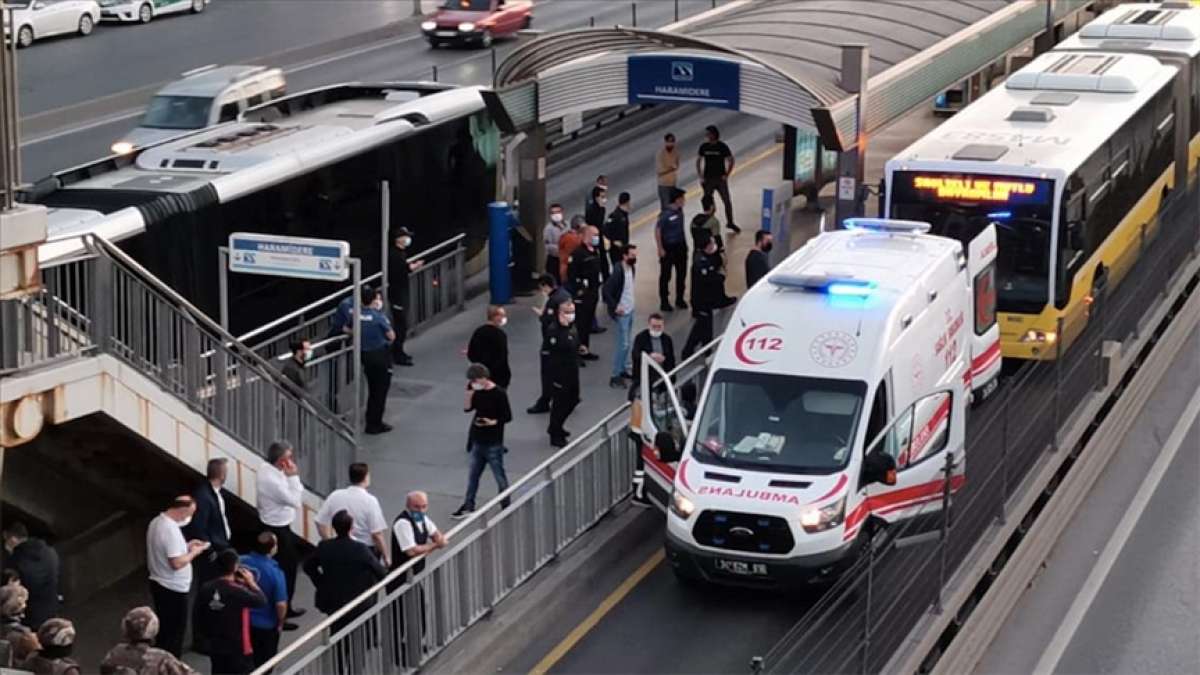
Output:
(86, 113)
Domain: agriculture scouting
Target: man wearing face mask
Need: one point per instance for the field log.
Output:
(550, 238)
(586, 272)
(617, 228)
(489, 403)
(489, 346)
(399, 269)
(562, 346)
(548, 318)
(619, 296)
(294, 369)
(376, 339)
(594, 217)
(708, 293)
(169, 560)
(757, 263)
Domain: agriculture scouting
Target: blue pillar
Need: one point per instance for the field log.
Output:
(500, 221)
(768, 209)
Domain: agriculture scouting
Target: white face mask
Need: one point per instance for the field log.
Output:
(602, 201)
(503, 322)
(308, 354)
(569, 318)
(376, 305)
(556, 218)
(656, 333)
(477, 386)
(185, 522)
(406, 241)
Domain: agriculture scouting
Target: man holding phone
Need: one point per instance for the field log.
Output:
(489, 402)
(224, 602)
(279, 495)
(169, 560)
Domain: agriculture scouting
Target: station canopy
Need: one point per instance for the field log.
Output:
(777, 59)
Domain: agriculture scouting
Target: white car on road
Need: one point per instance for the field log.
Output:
(37, 19)
(144, 11)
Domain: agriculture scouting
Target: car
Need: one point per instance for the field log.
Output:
(144, 11)
(476, 22)
(39, 19)
(201, 98)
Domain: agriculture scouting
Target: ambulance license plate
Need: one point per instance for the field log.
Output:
(740, 568)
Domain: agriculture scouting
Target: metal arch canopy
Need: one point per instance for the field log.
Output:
(778, 59)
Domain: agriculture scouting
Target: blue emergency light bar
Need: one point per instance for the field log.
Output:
(831, 284)
(1000, 215)
(887, 225)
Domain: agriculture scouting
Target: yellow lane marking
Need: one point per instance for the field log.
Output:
(568, 643)
(695, 190)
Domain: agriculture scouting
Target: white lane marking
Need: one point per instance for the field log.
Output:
(352, 53)
(128, 114)
(1066, 631)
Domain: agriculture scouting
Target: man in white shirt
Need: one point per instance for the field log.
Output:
(369, 526)
(414, 533)
(280, 496)
(169, 559)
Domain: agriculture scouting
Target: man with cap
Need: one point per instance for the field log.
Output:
(57, 638)
(377, 336)
(136, 651)
(397, 293)
(22, 642)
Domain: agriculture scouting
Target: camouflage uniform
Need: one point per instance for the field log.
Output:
(55, 635)
(135, 655)
(21, 641)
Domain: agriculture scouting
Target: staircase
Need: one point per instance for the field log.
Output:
(104, 336)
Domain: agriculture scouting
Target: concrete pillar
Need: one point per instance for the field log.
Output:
(531, 188)
(851, 172)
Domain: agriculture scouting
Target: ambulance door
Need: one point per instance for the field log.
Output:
(985, 333)
(658, 410)
(904, 466)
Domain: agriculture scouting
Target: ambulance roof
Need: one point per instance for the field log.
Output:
(847, 329)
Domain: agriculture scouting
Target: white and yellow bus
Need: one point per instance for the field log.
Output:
(1071, 160)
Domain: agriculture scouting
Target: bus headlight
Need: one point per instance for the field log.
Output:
(681, 505)
(1040, 337)
(815, 520)
(122, 147)
(466, 27)
(429, 26)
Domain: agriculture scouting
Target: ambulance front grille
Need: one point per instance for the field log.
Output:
(748, 532)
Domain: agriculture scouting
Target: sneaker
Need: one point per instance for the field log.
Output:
(599, 329)
(734, 228)
(462, 512)
(616, 383)
(295, 612)
(681, 304)
(640, 501)
(666, 307)
(381, 429)
(288, 626)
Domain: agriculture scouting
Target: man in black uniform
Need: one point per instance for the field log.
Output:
(594, 216)
(708, 293)
(398, 270)
(548, 315)
(562, 347)
(489, 346)
(585, 271)
(377, 336)
(616, 229)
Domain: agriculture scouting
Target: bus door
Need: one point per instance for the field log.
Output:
(985, 333)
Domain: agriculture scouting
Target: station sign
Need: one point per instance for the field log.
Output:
(295, 257)
(659, 78)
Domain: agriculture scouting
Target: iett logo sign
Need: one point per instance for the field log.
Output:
(683, 71)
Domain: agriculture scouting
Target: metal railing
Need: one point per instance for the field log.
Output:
(107, 303)
(437, 290)
(398, 626)
(853, 628)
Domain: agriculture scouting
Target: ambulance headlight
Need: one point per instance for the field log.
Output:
(815, 519)
(681, 505)
(1040, 337)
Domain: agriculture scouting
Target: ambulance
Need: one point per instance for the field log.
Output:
(835, 399)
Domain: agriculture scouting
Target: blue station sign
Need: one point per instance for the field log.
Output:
(656, 78)
(296, 257)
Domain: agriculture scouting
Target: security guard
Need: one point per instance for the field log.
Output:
(562, 346)
(708, 292)
(586, 272)
(548, 316)
(377, 337)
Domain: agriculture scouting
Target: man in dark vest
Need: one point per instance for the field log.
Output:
(414, 534)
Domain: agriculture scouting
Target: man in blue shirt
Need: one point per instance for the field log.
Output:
(377, 337)
(672, 251)
(267, 621)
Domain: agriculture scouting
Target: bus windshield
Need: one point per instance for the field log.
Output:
(177, 112)
(961, 205)
(779, 423)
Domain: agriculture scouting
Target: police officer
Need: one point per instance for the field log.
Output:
(377, 337)
(562, 347)
(548, 315)
(708, 292)
(585, 272)
(616, 229)
(398, 270)
(672, 251)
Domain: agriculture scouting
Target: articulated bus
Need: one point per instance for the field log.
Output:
(308, 165)
(1071, 160)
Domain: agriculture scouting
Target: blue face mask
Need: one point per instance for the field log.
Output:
(417, 516)
(595, 241)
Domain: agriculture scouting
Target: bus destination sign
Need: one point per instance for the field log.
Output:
(983, 188)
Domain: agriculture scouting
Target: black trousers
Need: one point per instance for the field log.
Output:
(674, 257)
(547, 383)
(400, 325)
(204, 570)
(552, 263)
(266, 644)
(172, 610)
(562, 403)
(377, 368)
(701, 333)
(231, 664)
(288, 557)
(721, 186)
(585, 321)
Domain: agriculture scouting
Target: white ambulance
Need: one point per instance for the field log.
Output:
(836, 396)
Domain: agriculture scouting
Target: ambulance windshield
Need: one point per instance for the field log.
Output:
(779, 422)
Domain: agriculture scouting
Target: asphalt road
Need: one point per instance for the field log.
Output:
(54, 84)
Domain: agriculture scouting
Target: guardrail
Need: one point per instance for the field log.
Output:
(854, 626)
(107, 303)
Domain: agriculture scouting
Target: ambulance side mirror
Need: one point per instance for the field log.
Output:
(879, 467)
